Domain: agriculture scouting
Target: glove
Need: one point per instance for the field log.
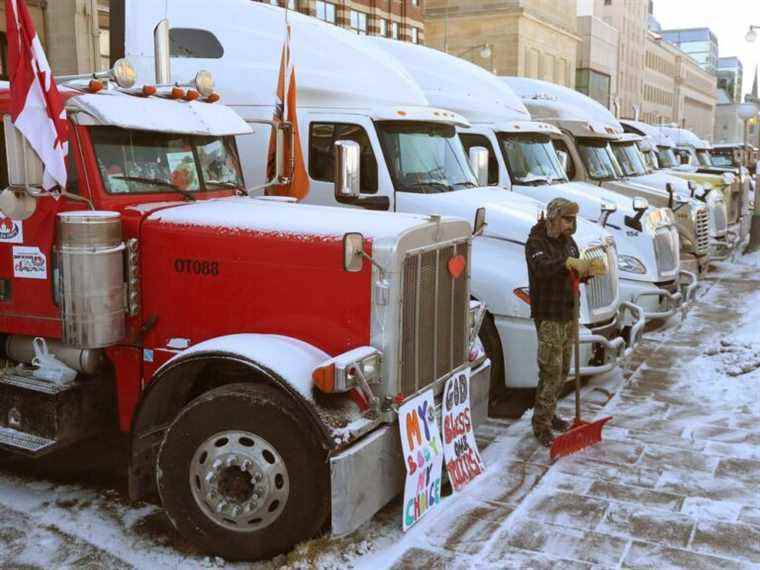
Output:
(597, 267)
(580, 266)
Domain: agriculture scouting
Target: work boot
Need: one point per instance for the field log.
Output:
(560, 425)
(544, 437)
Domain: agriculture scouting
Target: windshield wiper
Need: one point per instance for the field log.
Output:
(222, 184)
(531, 178)
(158, 182)
(441, 186)
(466, 184)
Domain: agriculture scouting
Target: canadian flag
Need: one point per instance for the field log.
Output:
(36, 106)
(286, 111)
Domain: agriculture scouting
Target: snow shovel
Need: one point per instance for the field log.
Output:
(582, 434)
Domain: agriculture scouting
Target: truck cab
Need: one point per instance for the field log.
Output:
(253, 351)
(586, 141)
(521, 159)
(411, 160)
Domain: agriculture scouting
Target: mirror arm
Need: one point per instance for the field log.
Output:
(369, 258)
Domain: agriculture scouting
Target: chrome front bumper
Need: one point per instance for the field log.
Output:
(370, 473)
(615, 349)
(687, 285)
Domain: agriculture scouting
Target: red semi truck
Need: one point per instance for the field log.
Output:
(254, 351)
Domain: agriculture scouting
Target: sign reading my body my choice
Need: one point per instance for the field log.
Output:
(423, 457)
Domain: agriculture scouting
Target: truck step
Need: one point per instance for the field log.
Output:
(25, 443)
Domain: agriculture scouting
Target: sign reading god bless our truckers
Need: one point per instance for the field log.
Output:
(423, 457)
(460, 450)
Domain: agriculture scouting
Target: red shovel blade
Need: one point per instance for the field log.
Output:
(581, 436)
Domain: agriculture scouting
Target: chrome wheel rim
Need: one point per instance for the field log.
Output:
(239, 480)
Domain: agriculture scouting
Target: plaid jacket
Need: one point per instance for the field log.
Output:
(551, 293)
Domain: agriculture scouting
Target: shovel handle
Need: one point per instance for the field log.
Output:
(577, 343)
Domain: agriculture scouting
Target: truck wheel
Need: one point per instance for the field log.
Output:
(497, 392)
(242, 475)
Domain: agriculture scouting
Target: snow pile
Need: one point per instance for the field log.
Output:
(736, 358)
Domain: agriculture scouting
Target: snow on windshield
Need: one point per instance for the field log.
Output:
(599, 160)
(629, 158)
(531, 159)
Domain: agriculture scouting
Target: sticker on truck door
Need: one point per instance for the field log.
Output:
(423, 456)
(11, 231)
(29, 263)
(460, 450)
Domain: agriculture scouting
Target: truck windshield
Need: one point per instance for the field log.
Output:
(531, 159)
(629, 158)
(722, 160)
(704, 158)
(144, 162)
(666, 157)
(425, 158)
(650, 157)
(599, 160)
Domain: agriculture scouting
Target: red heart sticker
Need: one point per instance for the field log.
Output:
(457, 265)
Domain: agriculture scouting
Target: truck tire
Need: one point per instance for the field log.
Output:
(242, 475)
(497, 391)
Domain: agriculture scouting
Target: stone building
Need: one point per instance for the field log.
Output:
(597, 63)
(630, 19)
(530, 38)
(677, 89)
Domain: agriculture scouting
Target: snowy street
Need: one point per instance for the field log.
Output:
(675, 484)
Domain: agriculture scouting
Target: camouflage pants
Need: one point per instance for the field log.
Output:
(555, 344)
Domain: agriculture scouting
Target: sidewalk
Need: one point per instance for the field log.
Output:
(675, 484)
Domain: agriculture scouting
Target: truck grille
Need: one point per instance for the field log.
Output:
(720, 219)
(665, 250)
(434, 309)
(702, 231)
(602, 292)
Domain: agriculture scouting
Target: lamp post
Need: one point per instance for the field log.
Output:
(486, 52)
(754, 231)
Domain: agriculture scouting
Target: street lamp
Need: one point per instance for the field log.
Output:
(752, 34)
(486, 52)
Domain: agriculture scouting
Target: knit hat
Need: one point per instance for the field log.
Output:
(561, 207)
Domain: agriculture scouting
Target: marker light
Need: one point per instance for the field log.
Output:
(191, 95)
(213, 98)
(522, 293)
(148, 90)
(124, 74)
(204, 83)
(177, 93)
(94, 86)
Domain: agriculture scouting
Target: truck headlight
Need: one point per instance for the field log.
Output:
(631, 264)
(346, 370)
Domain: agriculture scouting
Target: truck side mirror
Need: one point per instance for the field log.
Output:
(353, 248)
(480, 221)
(640, 205)
(669, 189)
(479, 164)
(608, 208)
(347, 166)
(24, 165)
(563, 158)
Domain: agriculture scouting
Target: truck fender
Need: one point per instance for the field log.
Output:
(282, 361)
(499, 267)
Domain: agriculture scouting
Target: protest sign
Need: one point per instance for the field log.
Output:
(423, 457)
(460, 450)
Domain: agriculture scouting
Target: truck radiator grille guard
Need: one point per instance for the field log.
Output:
(702, 231)
(602, 292)
(434, 308)
(665, 251)
(720, 220)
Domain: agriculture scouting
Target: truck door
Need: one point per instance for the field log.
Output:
(319, 135)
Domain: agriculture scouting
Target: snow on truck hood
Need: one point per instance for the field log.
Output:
(509, 215)
(155, 114)
(591, 196)
(288, 218)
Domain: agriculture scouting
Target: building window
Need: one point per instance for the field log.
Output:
(394, 30)
(415, 35)
(382, 27)
(194, 43)
(359, 22)
(325, 11)
(595, 85)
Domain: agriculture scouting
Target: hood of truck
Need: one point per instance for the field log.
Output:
(510, 216)
(589, 197)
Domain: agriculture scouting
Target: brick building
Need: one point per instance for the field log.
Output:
(397, 19)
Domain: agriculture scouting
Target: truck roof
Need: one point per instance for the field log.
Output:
(657, 134)
(552, 101)
(685, 137)
(334, 68)
(115, 108)
(454, 83)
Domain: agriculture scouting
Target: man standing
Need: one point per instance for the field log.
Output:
(552, 255)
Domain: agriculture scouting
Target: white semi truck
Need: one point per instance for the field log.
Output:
(410, 156)
(585, 145)
(521, 159)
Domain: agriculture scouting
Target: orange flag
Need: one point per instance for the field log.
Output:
(286, 111)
